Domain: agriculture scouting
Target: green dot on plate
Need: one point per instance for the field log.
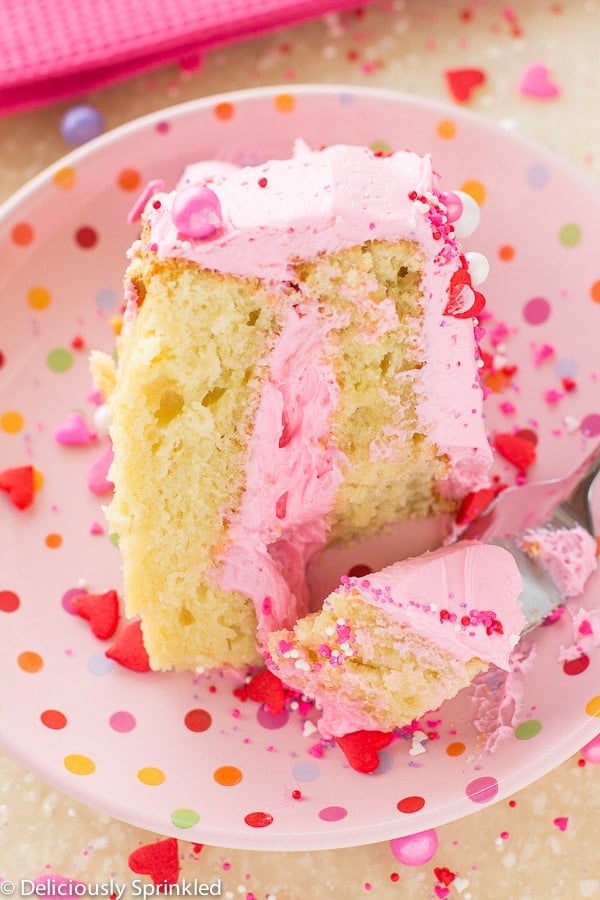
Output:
(114, 539)
(60, 359)
(570, 234)
(380, 147)
(528, 729)
(184, 818)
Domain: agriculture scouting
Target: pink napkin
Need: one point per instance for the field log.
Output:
(54, 49)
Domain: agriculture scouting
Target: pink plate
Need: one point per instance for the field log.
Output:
(180, 754)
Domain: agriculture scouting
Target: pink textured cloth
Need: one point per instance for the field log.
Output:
(54, 49)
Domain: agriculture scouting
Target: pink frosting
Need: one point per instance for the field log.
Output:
(568, 555)
(300, 208)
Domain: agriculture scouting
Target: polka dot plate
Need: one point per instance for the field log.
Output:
(180, 754)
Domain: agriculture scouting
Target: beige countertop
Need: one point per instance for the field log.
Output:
(544, 841)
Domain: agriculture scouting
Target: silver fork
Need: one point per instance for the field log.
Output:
(553, 503)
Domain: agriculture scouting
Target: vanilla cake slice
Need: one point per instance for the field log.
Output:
(297, 366)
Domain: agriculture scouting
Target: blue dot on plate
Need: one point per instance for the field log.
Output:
(306, 771)
(99, 664)
(566, 368)
(107, 298)
(537, 175)
(346, 99)
(385, 763)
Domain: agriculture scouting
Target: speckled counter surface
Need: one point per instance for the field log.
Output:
(544, 841)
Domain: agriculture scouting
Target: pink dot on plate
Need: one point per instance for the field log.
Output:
(483, 789)
(590, 425)
(415, 849)
(536, 311)
(268, 720)
(591, 751)
(122, 721)
(333, 813)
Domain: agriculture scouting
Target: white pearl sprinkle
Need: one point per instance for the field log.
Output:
(479, 267)
(469, 219)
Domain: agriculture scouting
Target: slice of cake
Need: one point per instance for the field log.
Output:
(387, 648)
(297, 366)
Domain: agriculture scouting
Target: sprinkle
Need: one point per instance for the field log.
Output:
(519, 451)
(159, 860)
(262, 182)
(128, 649)
(536, 82)
(73, 431)
(19, 483)
(361, 748)
(462, 82)
(100, 610)
(196, 212)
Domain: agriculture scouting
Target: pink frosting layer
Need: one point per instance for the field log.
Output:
(568, 555)
(434, 592)
(261, 219)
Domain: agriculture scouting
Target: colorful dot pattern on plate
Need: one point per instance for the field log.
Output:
(179, 752)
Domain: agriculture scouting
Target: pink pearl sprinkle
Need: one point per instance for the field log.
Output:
(454, 206)
(196, 211)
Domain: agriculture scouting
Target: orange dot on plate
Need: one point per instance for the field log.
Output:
(506, 252)
(129, 179)
(53, 718)
(53, 540)
(284, 103)
(38, 480)
(475, 189)
(64, 178)
(456, 748)
(227, 775)
(22, 234)
(224, 111)
(38, 297)
(446, 129)
(595, 291)
(30, 661)
(79, 764)
(11, 421)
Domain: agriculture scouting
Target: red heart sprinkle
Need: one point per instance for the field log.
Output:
(159, 860)
(444, 875)
(360, 748)
(18, 482)
(128, 649)
(465, 303)
(267, 688)
(101, 611)
(517, 450)
(476, 502)
(462, 82)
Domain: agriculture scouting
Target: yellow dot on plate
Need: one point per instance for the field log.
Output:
(475, 189)
(150, 775)
(38, 480)
(11, 421)
(65, 178)
(592, 707)
(446, 129)
(284, 103)
(30, 661)
(227, 775)
(38, 297)
(79, 764)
